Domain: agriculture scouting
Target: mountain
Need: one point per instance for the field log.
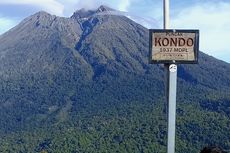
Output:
(84, 84)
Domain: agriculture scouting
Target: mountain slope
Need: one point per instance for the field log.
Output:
(87, 79)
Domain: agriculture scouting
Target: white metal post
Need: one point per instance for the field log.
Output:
(171, 84)
(166, 14)
(171, 96)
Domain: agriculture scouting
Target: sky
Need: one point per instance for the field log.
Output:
(211, 17)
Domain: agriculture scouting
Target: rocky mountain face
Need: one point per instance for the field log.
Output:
(55, 70)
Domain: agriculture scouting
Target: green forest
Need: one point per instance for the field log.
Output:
(132, 127)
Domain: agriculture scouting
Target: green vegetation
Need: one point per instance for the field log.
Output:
(128, 127)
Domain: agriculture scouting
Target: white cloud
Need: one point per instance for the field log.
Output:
(51, 6)
(123, 5)
(6, 24)
(212, 19)
(87, 4)
(147, 22)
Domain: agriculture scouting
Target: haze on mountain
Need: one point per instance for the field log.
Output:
(84, 84)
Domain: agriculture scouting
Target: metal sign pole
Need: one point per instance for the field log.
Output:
(171, 96)
(166, 14)
(171, 84)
